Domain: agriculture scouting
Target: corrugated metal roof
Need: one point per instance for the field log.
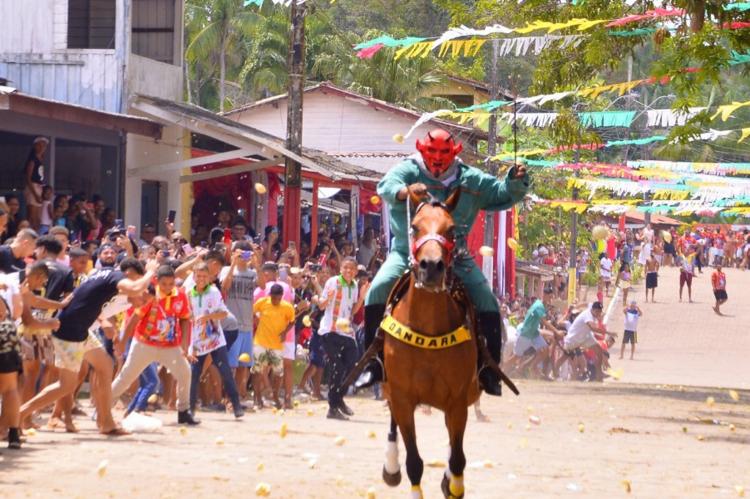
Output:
(221, 128)
(12, 100)
(327, 86)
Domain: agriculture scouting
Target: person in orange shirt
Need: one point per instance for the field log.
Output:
(719, 283)
(275, 317)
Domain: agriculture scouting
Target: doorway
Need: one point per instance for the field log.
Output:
(153, 203)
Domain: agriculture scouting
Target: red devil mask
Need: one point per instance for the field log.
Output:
(438, 151)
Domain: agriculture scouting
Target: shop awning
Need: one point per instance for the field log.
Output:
(16, 102)
(267, 150)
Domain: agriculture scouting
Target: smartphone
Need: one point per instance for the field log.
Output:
(119, 222)
(172, 215)
(246, 255)
(188, 249)
(227, 235)
(292, 245)
(316, 267)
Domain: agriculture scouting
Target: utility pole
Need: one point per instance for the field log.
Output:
(293, 170)
(647, 195)
(489, 219)
(494, 95)
(572, 276)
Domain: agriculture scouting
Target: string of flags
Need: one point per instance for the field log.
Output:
(538, 25)
(591, 92)
(481, 113)
(707, 136)
(621, 206)
(474, 38)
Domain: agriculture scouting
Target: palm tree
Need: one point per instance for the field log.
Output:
(219, 26)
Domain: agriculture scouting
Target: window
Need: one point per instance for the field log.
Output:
(460, 100)
(91, 24)
(153, 29)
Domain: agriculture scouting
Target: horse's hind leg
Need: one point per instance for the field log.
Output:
(453, 480)
(391, 468)
(403, 413)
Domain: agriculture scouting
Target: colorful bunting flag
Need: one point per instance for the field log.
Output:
(739, 6)
(607, 118)
(726, 110)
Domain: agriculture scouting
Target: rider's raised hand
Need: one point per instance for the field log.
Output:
(519, 171)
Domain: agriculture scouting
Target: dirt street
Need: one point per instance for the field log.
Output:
(653, 429)
(667, 442)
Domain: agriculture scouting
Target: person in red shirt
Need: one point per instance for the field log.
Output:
(719, 283)
(161, 330)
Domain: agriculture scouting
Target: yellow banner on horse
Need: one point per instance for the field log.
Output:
(404, 333)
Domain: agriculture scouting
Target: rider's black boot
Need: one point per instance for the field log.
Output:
(373, 373)
(489, 325)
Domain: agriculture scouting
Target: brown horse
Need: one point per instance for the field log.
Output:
(429, 352)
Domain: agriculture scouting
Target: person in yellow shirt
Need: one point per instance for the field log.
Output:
(274, 318)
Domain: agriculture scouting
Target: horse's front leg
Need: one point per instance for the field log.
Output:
(402, 411)
(391, 468)
(453, 480)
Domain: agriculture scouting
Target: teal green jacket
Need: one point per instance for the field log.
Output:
(479, 191)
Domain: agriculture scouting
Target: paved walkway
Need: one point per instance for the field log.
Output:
(687, 343)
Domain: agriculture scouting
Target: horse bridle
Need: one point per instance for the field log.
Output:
(414, 246)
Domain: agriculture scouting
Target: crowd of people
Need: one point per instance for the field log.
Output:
(151, 321)
(539, 334)
(691, 250)
(217, 319)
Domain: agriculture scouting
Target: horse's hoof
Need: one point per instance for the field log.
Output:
(391, 480)
(445, 486)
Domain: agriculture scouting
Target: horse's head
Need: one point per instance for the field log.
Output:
(433, 240)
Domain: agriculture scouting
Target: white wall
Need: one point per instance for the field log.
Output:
(153, 78)
(35, 57)
(336, 124)
(141, 151)
(91, 78)
(28, 26)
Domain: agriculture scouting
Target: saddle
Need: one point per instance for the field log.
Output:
(458, 292)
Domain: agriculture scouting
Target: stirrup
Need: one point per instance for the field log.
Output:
(489, 381)
(370, 376)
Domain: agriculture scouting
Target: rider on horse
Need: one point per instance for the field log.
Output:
(438, 172)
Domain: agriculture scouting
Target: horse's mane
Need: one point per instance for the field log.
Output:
(433, 202)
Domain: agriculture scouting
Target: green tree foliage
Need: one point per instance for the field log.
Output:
(246, 48)
(215, 30)
(398, 17)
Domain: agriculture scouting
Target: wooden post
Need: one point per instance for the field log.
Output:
(293, 170)
(314, 218)
(510, 258)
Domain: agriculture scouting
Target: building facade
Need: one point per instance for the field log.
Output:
(97, 55)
